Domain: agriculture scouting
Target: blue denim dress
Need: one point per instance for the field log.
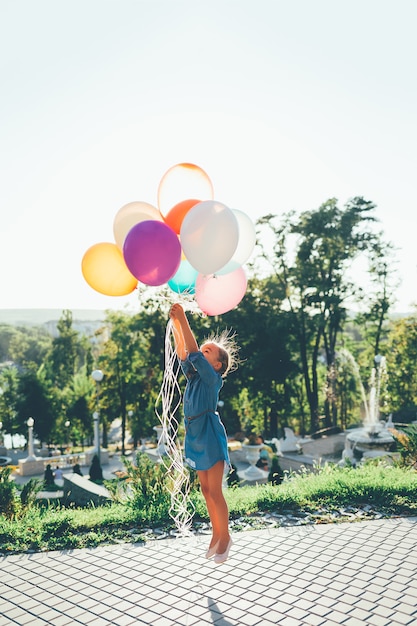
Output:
(205, 436)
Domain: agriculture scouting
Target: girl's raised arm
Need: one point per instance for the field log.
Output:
(185, 341)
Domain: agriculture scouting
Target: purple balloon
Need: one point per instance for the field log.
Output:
(152, 252)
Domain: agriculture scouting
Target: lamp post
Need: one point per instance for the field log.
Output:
(67, 425)
(130, 414)
(31, 450)
(96, 419)
(377, 359)
(97, 376)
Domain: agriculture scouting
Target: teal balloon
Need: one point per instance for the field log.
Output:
(185, 278)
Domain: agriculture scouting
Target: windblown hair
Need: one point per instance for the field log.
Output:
(228, 350)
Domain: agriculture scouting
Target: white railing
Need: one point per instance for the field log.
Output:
(33, 466)
(63, 461)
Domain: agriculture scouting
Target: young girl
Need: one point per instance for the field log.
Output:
(205, 436)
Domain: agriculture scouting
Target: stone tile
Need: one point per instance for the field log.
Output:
(349, 574)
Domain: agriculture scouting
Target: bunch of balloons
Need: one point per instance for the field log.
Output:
(191, 242)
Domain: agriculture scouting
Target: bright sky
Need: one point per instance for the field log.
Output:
(283, 103)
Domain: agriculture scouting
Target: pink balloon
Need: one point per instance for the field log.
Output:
(218, 294)
(152, 252)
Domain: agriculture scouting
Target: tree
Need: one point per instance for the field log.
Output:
(378, 298)
(34, 401)
(79, 411)
(132, 362)
(261, 386)
(62, 359)
(402, 371)
(311, 258)
(25, 347)
(68, 358)
(9, 385)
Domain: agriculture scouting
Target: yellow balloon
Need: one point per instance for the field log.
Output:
(104, 269)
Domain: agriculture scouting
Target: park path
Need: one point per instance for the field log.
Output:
(352, 574)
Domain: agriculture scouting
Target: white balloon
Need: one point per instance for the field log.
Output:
(131, 214)
(246, 243)
(209, 236)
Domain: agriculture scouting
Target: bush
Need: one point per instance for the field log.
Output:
(145, 487)
(9, 504)
(276, 474)
(96, 473)
(29, 492)
(406, 441)
(233, 479)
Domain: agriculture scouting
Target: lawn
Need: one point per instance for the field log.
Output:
(141, 506)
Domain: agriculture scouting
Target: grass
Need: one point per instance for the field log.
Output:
(390, 489)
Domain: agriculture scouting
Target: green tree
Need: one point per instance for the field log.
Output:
(79, 411)
(264, 375)
(402, 371)
(132, 363)
(62, 359)
(311, 258)
(34, 401)
(69, 356)
(9, 397)
(26, 347)
(377, 299)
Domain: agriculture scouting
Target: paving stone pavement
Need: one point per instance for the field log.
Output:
(322, 575)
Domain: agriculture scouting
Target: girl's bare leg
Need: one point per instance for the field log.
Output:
(211, 487)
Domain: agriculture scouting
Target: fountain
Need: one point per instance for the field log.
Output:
(374, 438)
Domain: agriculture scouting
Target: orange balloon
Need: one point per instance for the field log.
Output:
(184, 180)
(104, 269)
(175, 216)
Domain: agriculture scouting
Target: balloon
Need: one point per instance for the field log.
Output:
(184, 279)
(174, 218)
(218, 294)
(104, 269)
(246, 243)
(152, 252)
(209, 236)
(181, 182)
(131, 214)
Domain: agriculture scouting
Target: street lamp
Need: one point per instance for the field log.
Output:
(130, 414)
(97, 376)
(31, 450)
(67, 425)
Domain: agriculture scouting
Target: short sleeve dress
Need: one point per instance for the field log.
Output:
(205, 435)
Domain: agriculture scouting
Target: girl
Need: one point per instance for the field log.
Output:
(205, 436)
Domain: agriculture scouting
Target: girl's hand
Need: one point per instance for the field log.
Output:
(176, 312)
(183, 335)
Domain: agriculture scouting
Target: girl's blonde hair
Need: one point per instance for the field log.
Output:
(228, 351)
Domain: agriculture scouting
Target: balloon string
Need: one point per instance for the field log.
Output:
(169, 400)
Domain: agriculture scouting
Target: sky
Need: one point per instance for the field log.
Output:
(283, 104)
